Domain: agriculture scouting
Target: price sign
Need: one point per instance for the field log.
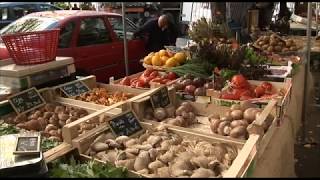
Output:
(160, 98)
(26, 100)
(125, 124)
(27, 145)
(74, 88)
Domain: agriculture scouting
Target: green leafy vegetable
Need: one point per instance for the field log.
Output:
(47, 144)
(196, 69)
(6, 129)
(91, 169)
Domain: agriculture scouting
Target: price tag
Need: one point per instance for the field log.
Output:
(160, 98)
(26, 145)
(125, 124)
(26, 100)
(74, 88)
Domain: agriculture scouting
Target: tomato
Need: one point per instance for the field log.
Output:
(267, 86)
(259, 91)
(239, 92)
(154, 74)
(147, 72)
(229, 96)
(140, 83)
(133, 83)
(247, 92)
(125, 81)
(172, 76)
(133, 79)
(239, 81)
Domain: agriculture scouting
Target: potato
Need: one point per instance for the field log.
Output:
(170, 111)
(273, 42)
(285, 49)
(213, 116)
(266, 38)
(99, 146)
(250, 114)
(293, 48)
(237, 114)
(221, 127)
(50, 127)
(180, 110)
(214, 125)
(238, 131)
(236, 123)
(188, 106)
(160, 114)
(265, 47)
(261, 43)
(226, 118)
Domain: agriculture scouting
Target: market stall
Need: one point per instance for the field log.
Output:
(213, 109)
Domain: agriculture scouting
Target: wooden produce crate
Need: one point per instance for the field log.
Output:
(69, 131)
(245, 159)
(90, 81)
(48, 96)
(282, 101)
(203, 110)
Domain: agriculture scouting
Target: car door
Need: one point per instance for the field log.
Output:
(136, 47)
(67, 37)
(95, 52)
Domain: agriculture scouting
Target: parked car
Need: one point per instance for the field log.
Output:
(11, 11)
(93, 39)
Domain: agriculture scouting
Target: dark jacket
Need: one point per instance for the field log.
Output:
(157, 38)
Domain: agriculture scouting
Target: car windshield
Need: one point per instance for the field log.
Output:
(29, 24)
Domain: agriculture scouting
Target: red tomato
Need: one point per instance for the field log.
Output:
(147, 72)
(154, 74)
(133, 83)
(125, 81)
(239, 81)
(140, 83)
(239, 92)
(172, 76)
(133, 79)
(247, 92)
(259, 91)
(229, 96)
(267, 86)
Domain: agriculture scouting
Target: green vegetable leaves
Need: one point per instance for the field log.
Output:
(6, 129)
(47, 144)
(91, 169)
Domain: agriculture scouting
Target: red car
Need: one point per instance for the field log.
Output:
(93, 39)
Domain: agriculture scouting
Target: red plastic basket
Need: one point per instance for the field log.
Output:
(32, 47)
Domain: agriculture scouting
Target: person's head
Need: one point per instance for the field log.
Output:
(163, 22)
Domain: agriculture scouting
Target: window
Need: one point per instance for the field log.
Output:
(21, 10)
(116, 23)
(3, 14)
(93, 31)
(66, 35)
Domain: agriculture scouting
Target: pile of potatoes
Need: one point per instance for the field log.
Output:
(103, 97)
(183, 116)
(235, 122)
(161, 153)
(275, 44)
(48, 119)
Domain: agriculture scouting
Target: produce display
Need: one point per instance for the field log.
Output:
(46, 144)
(193, 86)
(165, 58)
(241, 89)
(103, 97)
(48, 119)
(161, 153)
(235, 121)
(91, 169)
(147, 77)
(183, 116)
(275, 44)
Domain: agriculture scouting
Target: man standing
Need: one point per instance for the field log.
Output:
(157, 31)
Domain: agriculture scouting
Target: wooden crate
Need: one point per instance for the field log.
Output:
(90, 81)
(282, 101)
(70, 132)
(245, 159)
(203, 110)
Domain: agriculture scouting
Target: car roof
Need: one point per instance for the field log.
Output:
(19, 3)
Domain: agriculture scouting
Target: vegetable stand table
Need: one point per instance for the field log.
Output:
(278, 157)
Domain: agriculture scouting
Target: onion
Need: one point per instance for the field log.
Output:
(160, 114)
(190, 89)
